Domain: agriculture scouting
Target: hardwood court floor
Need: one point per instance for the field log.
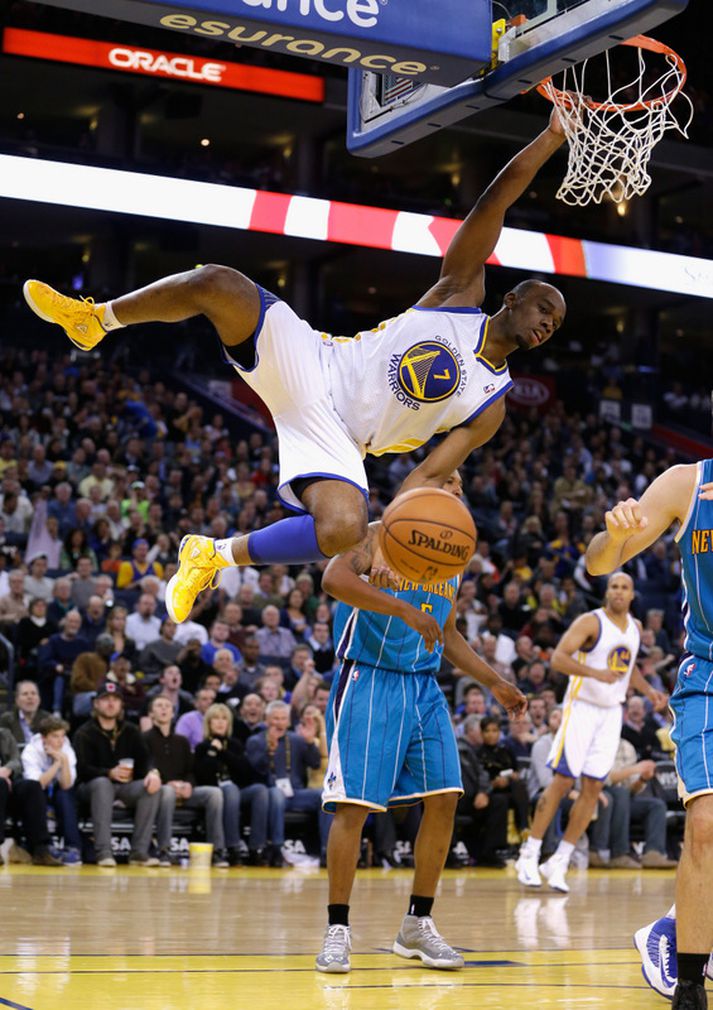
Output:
(134, 939)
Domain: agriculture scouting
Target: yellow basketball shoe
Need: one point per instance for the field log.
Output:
(198, 566)
(80, 318)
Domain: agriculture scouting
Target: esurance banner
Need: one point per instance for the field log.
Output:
(442, 41)
(155, 63)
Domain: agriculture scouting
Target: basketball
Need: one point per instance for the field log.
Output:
(427, 535)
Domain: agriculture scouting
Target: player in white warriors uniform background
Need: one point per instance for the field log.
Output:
(438, 367)
(598, 653)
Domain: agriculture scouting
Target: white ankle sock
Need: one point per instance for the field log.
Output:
(225, 549)
(532, 846)
(564, 851)
(109, 320)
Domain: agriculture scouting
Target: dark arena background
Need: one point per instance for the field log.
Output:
(128, 153)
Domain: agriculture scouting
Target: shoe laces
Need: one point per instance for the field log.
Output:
(335, 940)
(199, 578)
(427, 927)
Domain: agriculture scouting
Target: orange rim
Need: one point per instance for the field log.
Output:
(637, 42)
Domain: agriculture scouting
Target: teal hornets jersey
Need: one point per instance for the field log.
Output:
(388, 643)
(695, 541)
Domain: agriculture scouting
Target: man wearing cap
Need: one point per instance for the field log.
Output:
(132, 572)
(113, 763)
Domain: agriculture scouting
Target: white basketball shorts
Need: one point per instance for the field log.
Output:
(290, 376)
(587, 741)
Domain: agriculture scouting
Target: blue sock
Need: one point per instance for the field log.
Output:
(287, 542)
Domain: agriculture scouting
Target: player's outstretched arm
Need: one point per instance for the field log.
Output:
(632, 526)
(343, 580)
(455, 449)
(459, 653)
(585, 629)
(462, 274)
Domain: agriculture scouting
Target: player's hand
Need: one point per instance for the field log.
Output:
(624, 520)
(427, 626)
(512, 699)
(659, 700)
(604, 676)
(706, 491)
(481, 801)
(647, 770)
(381, 577)
(555, 124)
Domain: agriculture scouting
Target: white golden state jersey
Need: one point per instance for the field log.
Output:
(414, 376)
(614, 650)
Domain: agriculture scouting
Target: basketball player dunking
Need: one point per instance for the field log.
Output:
(391, 737)
(438, 367)
(675, 949)
(598, 653)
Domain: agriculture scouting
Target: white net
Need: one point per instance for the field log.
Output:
(611, 139)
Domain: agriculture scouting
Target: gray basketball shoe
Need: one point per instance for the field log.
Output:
(334, 955)
(418, 937)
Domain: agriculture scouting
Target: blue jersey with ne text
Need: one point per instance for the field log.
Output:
(695, 541)
(389, 643)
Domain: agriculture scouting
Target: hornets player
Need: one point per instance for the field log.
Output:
(597, 652)
(441, 366)
(391, 738)
(675, 949)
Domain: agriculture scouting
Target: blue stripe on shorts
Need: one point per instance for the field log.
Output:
(692, 706)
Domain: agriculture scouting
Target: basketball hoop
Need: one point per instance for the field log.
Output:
(611, 140)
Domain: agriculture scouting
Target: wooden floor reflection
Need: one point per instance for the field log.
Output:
(133, 939)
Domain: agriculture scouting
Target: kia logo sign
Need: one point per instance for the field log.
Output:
(529, 392)
(174, 66)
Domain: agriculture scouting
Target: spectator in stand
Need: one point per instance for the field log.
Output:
(320, 698)
(14, 605)
(193, 669)
(220, 761)
(191, 629)
(313, 721)
(502, 769)
(513, 611)
(169, 685)
(191, 724)
(121, 674)
(113, 763)
(282, 758)
(276, 644)
(293, 615)
(83, 584)
(32, 632)
(252, 615)
(61, 601)
(520, 739)
(116, 627)
(639, 729)
(57, 658)
(49, 759)
(37, 585)
(250, 668)
(132, 572)
(632, 801)
(654, 622)
(94, 620)
(143, 626)
(300, 660)
(90, 669)
(219, 632)
(251, 719)
(23, 799)
(162, 652)
(537, 710)
(320, 642)
(172, 758)
(61, 508)
(525, 653)
(534, 678)
(232, 614)
(267, 594)
(230, 690)
(24, 719)
(486, 834)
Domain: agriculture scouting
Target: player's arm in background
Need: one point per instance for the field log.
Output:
(462, 280)
(582, 631)
(457, 651)
(455, 449)
(343, 580)
(633, 526)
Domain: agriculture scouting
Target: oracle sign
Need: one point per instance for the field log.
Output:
(530, 392)
(109, 56)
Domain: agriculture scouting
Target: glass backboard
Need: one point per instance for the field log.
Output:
(532, 39)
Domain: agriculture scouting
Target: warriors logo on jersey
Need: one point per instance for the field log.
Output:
(619, 660)
(429, 372)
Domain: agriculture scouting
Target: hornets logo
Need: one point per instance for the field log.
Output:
(618, 660)
(429, 372)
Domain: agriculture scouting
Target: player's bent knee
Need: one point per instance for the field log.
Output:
(336, 534)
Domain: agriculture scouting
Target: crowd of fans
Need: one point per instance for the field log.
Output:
(101, 474)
